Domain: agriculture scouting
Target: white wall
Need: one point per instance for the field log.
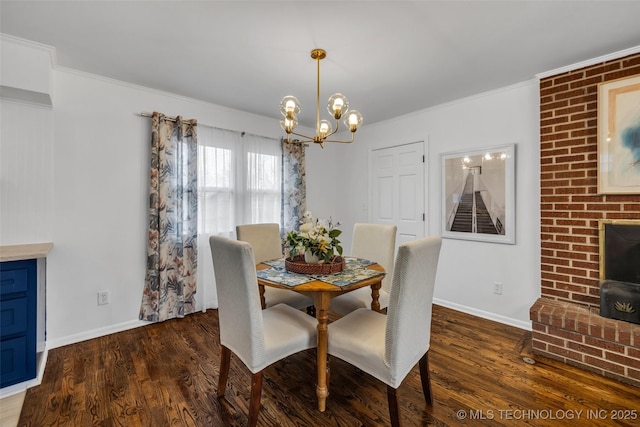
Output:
(94, 188)
(467, 269)
(26, 172)
(100, 198)
(26, 142)
(77, 175)
(322, 181)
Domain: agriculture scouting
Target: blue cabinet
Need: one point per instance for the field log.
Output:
(18, 304)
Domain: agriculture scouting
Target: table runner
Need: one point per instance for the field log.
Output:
(354, 271)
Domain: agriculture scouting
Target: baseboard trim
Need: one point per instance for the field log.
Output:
(95, 333)
(485, 314)
(107, 330)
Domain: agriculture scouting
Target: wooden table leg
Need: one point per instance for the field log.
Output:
(375, 296)
(263, 302)
(321, 301)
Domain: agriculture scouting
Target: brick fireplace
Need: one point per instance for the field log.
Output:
(566, 321)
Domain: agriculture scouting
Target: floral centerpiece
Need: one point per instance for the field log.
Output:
(316, 240)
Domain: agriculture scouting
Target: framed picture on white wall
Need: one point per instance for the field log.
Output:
(478, 194)
(619, 136)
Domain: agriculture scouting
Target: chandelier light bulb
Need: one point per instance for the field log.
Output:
(337, 105)
(325, 128)
(288, 124)
(290, 107)
(353, 120)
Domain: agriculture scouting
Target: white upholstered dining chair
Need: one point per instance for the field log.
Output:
(389, 346)
(257, 337)
(375, 242)
(267, 245)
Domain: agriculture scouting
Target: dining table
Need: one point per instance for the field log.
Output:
(357, 273)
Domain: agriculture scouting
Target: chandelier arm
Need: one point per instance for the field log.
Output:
(353, 137)
(308, 138)
(333, 131)
(323, 140)
(298, 142)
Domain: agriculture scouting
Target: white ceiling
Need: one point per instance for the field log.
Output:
(388, 57)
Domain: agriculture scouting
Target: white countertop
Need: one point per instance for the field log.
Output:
(26, 251)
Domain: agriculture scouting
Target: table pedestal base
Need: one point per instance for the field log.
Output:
(321, 301)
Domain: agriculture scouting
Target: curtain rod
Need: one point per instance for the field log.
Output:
(171, 119)
(242, 133)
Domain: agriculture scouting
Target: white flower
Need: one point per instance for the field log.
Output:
(318, 236)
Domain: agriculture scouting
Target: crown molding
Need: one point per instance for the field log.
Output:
(589, 62)
(51, 50)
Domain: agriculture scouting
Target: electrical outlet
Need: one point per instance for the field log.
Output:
(497, 288)
(103, 297)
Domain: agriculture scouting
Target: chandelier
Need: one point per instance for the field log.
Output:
(338, 106)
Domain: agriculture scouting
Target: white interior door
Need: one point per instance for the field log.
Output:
(398, 189)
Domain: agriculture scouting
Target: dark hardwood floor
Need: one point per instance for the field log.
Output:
(166, 374)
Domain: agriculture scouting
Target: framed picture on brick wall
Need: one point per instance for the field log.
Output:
(619, 136)
(478, 194)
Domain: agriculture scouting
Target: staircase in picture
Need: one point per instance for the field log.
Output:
(472, 207)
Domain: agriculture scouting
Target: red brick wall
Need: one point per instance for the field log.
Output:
(570, 209)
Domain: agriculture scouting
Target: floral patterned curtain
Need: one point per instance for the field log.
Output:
(172, 251)
(294, 186)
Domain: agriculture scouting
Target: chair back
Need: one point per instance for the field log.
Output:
(408, 327)
(239, 309)
(376, 242)
(264, 239)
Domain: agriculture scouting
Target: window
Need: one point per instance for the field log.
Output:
(263, 187)
(239, 182)
(240, 179)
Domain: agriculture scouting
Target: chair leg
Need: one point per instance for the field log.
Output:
(225, 361)
(254, 404)
(426, 378)
(394, 412)
(263, 301)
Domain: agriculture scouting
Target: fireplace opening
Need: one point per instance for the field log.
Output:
(620, 269)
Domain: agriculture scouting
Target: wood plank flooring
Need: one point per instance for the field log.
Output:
(166, 374)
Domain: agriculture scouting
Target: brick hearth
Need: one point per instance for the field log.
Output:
(579, 336)
(566, 323)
